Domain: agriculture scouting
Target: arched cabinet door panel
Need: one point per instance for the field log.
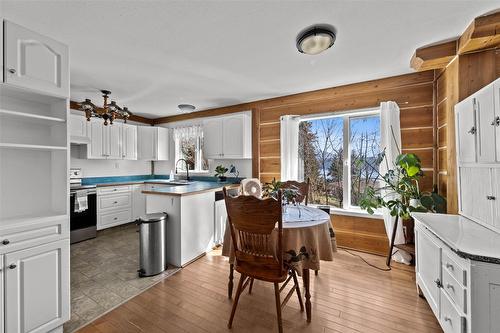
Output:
(35, 62)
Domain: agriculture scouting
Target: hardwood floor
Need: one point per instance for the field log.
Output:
(347, 296)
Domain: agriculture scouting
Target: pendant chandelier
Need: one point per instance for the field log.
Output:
(109, 111)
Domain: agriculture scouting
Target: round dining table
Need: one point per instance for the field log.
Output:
(308, 238)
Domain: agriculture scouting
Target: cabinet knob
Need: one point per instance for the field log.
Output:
(438, 283)
(115, 218)
(446, 318)
(12, 71)
(115, 202)
(496, 121)
(490, 197)
(449, 286)
(6, 242)
(448, 265)
(472, 130)
(12, 266)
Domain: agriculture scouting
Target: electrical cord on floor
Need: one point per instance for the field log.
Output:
(366, 262)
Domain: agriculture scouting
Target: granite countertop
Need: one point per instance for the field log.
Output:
(466, 237)
(190, 189)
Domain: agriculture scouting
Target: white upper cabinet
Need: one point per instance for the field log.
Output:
(212, 138)
(485, 113)
(466, 130)
(152, 143)
(37, 288)
(78, 129)
(228, 137)
(113, 135)
(34, 61)
(496, 101)
(95, 150)
(129, 142)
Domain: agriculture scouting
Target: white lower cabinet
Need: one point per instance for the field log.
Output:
(36, 284)
(138, 201)
(114, 206)
(428, 269)
(464, 294)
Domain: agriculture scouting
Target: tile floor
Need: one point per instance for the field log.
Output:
(104, 274)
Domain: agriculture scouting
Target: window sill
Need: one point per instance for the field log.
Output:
(353, 212)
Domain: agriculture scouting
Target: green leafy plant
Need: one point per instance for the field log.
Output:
(220, 171)
(289, 195)
(271, 189)
(399, 191)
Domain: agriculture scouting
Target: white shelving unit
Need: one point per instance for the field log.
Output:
(33, 155)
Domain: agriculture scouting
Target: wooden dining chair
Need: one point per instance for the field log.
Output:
(302, 187)
(259, 255)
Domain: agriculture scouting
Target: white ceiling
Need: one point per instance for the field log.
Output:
(154, 55)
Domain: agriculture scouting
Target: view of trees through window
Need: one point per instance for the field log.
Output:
(321, 149)
(190, 148)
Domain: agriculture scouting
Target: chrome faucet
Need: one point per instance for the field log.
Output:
(187, 167)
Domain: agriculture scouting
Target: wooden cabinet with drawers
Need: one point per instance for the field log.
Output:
(114, 206)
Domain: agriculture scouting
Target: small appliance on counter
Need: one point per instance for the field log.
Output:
(83, 208)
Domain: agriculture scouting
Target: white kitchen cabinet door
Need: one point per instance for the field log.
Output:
(129, 142)
(485, 114)
(429, 268)
(145, 143)
(476, 193)
(212, 138)
(466, 130)
(37, 288)
(495, 198)
(34, 61)
(496, 99)
(78, 129)
(234, 136)
(2, 310)
(138, 201)
(96, 148)
(152, 143)
(113, 141)
(161, 143)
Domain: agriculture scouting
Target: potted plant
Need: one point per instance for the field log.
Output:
(398, 191)
(220, 172)
(289, 195)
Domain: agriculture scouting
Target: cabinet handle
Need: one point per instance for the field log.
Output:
(449, 286)
(12, 71)
(450, 266)
(115, 202)
(490, 197)
(115, 218)
(438, 283)
(446, 318)
(6, 242)
(472, 130)
(496, 121)
(115, 189)
(12, 266)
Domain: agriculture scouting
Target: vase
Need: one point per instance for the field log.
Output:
(222, 179)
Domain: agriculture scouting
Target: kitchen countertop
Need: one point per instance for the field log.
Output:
(133, 182)
(466, 237)
(190, 189)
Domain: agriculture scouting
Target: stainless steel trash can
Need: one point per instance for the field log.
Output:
(152, 256)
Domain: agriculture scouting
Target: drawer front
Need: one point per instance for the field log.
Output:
(150, 187)
(115, 201)
(113, 189)
(451, 320)
(33, 233)
(452, 266)
(457, 293)
(116, 218)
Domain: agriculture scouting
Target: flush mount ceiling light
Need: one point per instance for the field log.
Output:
(186, 108)
(315, 39)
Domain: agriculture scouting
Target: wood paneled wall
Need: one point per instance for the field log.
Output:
(414, 94)
(465, 75)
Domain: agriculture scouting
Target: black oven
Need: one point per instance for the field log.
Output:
(83, 224)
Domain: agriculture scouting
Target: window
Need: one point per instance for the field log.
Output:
(189, 146)
(339, 156)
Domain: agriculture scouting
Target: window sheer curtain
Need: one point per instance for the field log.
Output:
(390, 140)
(289, 141)
(191, 134)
